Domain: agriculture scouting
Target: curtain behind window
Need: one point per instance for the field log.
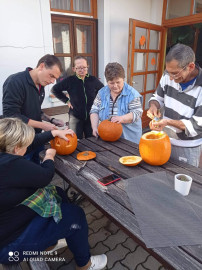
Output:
(78, 5)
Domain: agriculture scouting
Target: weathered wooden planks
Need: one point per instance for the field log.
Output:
(113, 200)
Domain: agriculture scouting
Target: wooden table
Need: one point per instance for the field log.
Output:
(113, 200)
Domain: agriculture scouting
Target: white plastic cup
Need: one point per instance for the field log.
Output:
(183, 186)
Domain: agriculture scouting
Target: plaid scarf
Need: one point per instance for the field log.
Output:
(45, 202)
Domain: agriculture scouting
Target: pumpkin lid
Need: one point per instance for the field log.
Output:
(130, 160)
(86, 155)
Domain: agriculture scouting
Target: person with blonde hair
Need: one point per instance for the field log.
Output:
(34, 215)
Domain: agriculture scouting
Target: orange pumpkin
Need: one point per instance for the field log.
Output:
(63, 147)
(130, 160)
(155, 147)
(86, 155)
(109, 131)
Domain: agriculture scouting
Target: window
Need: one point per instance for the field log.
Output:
(84, 7)
(198, 6)
(178, 8)
(181, 12)
(144, 60)
(73, 36)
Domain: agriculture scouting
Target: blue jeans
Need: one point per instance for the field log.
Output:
(34, 155)
(42, 233)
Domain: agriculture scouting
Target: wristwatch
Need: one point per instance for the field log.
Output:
(52, 119)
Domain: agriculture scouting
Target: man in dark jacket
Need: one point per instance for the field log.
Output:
(82, 89)
(23, 93)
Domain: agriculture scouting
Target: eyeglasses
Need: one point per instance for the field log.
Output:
(81, 68)
(174, 76)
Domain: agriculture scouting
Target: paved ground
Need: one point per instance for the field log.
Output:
(105, 237)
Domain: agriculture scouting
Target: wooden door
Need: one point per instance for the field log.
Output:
(145, 59)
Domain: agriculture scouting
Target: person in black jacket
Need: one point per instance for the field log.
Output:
(24, 231)
(82, 89)
(23, 94)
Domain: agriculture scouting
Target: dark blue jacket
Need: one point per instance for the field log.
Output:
(21, 98)
(19, 179)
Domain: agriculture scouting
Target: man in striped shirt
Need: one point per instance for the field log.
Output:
(179, 96)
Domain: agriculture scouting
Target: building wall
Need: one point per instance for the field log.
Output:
(25, 37)
(27, 34)
(113, 22)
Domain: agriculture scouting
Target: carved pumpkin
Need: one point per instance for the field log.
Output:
(130, 160)
(155, 147)
(63, 147)
(86, 155)
(109, 131)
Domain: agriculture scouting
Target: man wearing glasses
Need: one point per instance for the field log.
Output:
(179, 97)
(82, 89)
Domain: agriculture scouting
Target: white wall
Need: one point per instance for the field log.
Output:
(26, 33)
(113, 23)
(26, 36)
